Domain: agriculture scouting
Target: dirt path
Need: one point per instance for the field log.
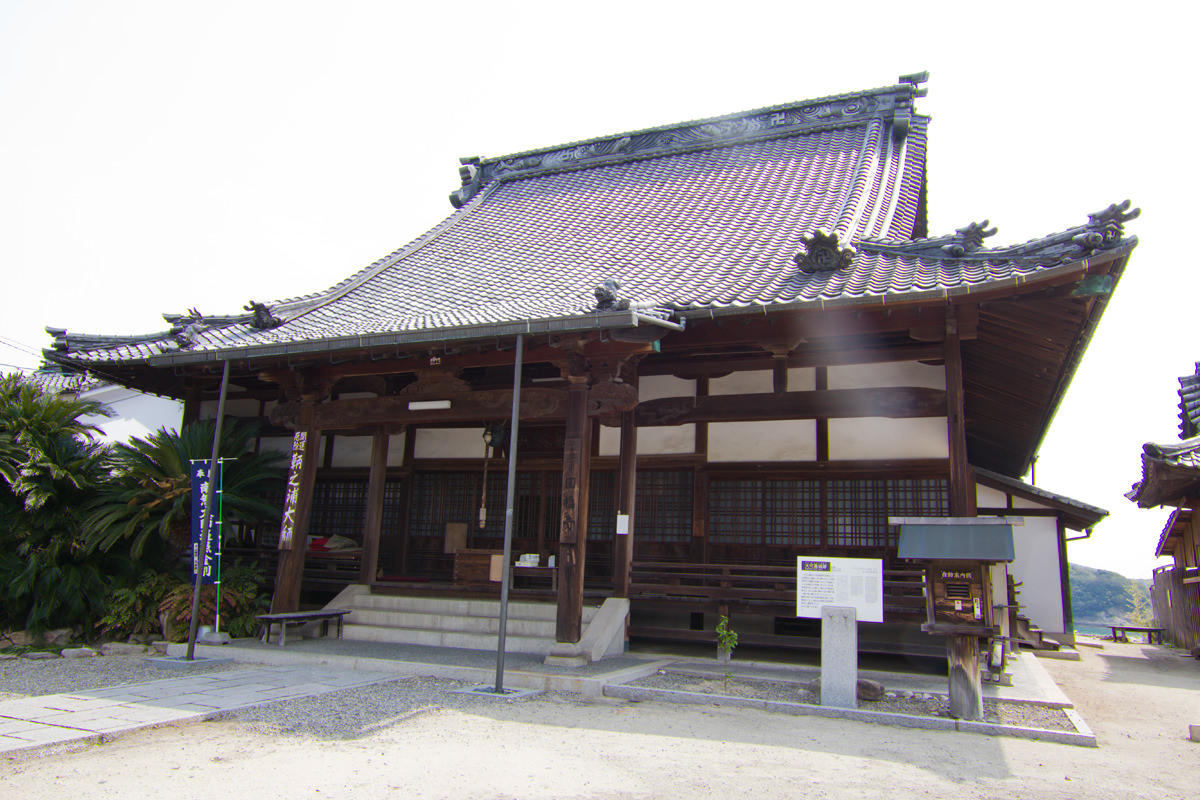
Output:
(1138, 700)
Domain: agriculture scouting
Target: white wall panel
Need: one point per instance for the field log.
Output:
(610, 441)
(1036, 567)
(352, 451)
(396, 444)
(652, 387)
(802, 379)
(785, 440)
(449, 443)
(987, 497)
(665, 440)
(756, 381)
(886, 438)
(894, 373)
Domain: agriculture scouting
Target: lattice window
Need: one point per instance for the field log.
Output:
(757, 511)
(339, 507)
(735, 511)
(926, 497)
(813, 513)
(792, 512)
(441, 497)
(602, 506)
(664, 505)
(856, 514)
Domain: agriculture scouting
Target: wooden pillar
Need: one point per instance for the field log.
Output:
(293, 531)
(626, 504)
(373, 523)
(962, 481)
(572, 533)
(966, 691)
(191, 405)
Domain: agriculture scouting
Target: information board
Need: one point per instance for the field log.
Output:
(852, 582)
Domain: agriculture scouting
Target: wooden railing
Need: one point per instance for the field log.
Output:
(722, 584)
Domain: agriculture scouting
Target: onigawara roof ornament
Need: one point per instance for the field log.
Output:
(607, 298)
(823, 253)
(263, 318)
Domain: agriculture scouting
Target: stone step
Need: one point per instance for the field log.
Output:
(434, 638)
(449, 622)
(449, 606)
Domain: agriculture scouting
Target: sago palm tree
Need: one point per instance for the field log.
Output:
(149, 502)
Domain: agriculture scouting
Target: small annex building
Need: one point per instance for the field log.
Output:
(1171, 477)
(737, 334)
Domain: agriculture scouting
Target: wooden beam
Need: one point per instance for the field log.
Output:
(293, 531)
(605, 398)
(895, 402)
(593, 347)
(373, 524)
(572, 533)
(823, 354)
(962, 478)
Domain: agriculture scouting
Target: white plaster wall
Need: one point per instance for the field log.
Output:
(757, 381)
(987, 497)
(884, 438)
(784, 440)
(610, 440)
(134, 414)
(1036, 567)
(666, 439)
(449, 443)
(893, 373)
(396, 444)
(352, 451)
(652, 387)
(802, 379)
(1021, 502)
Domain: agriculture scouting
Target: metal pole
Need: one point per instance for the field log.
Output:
(206, 519)
(506, 575)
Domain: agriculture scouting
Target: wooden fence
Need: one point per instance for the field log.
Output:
(1177, 606)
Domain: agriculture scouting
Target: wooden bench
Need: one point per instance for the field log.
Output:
(300, 618)
(1119, 633)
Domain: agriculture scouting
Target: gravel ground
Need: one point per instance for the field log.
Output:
(21, 677)
(354, 713)
(1005, 712)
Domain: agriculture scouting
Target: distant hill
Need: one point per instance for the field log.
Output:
(1100, 597)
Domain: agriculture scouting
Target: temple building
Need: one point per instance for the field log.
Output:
(738, 344)
(1171, 477)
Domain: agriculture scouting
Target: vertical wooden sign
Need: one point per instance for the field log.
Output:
(291, 499)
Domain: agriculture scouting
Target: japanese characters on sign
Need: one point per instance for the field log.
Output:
(287, 527)
(209, 572)
(851, 582)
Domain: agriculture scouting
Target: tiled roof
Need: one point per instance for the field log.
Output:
(1189, 404)
(1170, 474)
(1083, 515)
(1176, 523)
(703, 217)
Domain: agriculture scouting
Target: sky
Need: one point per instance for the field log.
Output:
(159, 156)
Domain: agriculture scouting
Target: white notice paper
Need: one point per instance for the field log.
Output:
(853, 582)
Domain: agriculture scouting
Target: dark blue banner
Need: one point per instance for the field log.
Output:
(199, 493)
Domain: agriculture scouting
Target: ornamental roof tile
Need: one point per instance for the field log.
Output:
(701, 217)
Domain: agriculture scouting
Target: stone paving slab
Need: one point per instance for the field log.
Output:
(31, 722)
